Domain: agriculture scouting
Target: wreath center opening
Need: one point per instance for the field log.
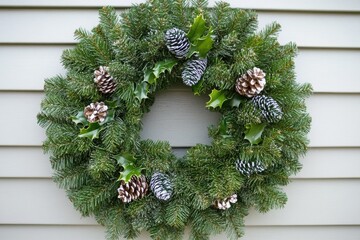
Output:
(179, 117)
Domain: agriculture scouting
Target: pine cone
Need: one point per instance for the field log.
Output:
(136, 188)
(104, 81)
(224, 204)
(251, 83)
(96, 112)
(193, 71)
(177, 42)
(161, 186)
(270, 109)
(248, 168)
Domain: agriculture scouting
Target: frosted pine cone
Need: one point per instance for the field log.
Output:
(96, 112)
(193, 71)
(177, 42)
(224, 204)
(104, 81)
(251, 83)
(136, 188)
(270, 109)
(161, 186)
(248, 168)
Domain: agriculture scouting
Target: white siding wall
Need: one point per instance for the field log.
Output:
(324, 198)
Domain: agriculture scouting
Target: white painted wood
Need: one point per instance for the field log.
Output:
(21, 128)
(311, 202)
(325, 68)
(304, 5)
(40, 232)
(331, 163)
(322, 68)
(335, 122)
(32, 64)
(30, 162)
(24, 162)
(58, 25)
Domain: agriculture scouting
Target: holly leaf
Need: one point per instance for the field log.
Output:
(197, 29)
(163, 66)
(80, 118)
(217, 99)
(128, 172)
(91, 131)
(235, 101)
(253, 132)
(126, 160)
(200, 43)
(141, 90)
(149, 76)
(201, 46)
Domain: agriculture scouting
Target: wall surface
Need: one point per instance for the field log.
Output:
(323, 198)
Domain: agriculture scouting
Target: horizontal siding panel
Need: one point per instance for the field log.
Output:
(331, 163)
(39, 201)
(305, 5)
(180, 118)
(35, 63)
(58, 25)
(36, 232)
(30, 162)
(334, 120)
(24, 162)
(32, 64)
(323, 69)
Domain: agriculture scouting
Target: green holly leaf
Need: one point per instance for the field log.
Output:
(149, 76)
(91, 131)
(197, 29)
(80, 118)
(201, 43)
(253, 132)
(217, 99)
(126, 160)
(141, 90)
(201, 46)
(163, 66)
(235, 101)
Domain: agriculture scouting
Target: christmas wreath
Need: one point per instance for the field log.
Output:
(92, 118)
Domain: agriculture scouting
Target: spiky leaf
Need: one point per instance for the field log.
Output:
(217, 99)
(254, 132)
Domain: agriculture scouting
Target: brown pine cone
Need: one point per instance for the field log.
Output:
(251, 83)
(104, 81)
(96, 112)
(224, 204)
(136, 188)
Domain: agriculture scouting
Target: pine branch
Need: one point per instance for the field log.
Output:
(177, 213)
(90, 198)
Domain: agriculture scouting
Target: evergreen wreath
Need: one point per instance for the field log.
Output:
(92, 118)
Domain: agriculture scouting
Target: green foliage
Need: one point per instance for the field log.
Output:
(88, 158)
(127, 161)
(217, 99)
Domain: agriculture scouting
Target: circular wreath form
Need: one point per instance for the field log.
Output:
(93, 118)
